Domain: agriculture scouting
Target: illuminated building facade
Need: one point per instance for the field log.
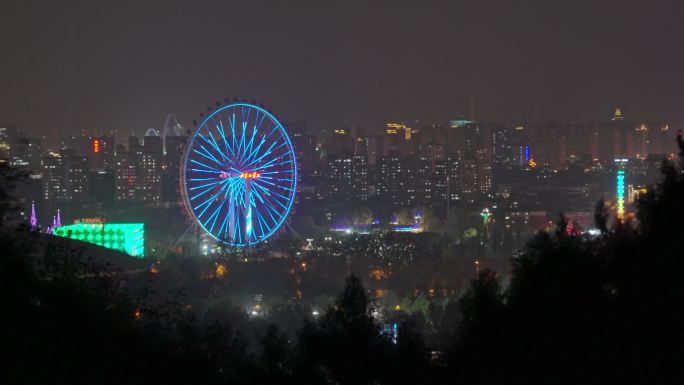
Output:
(348, 176)
(125, 177)
(340, 176)
(65, 177)
(396, 180)
(125, 237)
(360, 176)
(101, 153)
(138, 172)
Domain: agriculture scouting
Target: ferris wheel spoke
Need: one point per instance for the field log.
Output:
(200, 179)
(214, 215)
(266, 166)
(211, 144)
(269, 207)
(224, 229)
(241, 145)
(260, 220)
(266, 153)
(263, 223)
(207, 155)
(244, 109)
(251, 155)
(256, 150)
(215, 144)
(208, 168)
(209, 200)
(220, 129)
(204, 185)
(275, 185)
(275, 172)
(248, 148)
(206, 190)
(278, 179)
(232, 130)
(236, 230)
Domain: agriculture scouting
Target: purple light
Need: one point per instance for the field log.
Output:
(34, 220)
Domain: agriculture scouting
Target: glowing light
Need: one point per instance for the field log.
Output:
(239, 174)
(125, 237)
(249, 175)
(220, 270)
(621, 194)
(485, 214)
(96, 146)
(532, 163)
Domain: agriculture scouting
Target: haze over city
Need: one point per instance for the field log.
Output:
(83, 65)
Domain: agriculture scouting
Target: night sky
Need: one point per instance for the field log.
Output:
(71, 65)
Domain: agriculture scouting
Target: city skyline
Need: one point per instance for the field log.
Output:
(84, 66)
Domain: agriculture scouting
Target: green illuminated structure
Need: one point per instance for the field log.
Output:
(126, 237)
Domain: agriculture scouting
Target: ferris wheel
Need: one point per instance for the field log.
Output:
(239, 174)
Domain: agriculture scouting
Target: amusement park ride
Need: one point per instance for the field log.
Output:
(239, 174)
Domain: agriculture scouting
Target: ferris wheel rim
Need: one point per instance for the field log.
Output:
(283, 135)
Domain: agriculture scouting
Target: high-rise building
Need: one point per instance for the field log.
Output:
(65, 177)
(348, 176)
(125, 177)
(521, 152)
(138, 172)
(154, 145)
(26, 152)
(148, 173)
(468, 188)
(360, 176)
(502, 150)
(397, 139)
(340, 168)
(102, 187)
(175, 148)
(425, 180)
(101, 153)
(641, 141)
(340, 141)
(615, 138)
(440, 181)
(8, 135)
(396, 179)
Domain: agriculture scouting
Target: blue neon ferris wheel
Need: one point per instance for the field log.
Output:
(239, 174)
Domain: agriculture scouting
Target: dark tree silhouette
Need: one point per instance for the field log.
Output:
(345, 346)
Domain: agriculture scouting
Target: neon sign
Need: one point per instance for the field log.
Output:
(244, 175)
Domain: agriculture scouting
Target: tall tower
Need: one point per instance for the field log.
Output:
(620, 188)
